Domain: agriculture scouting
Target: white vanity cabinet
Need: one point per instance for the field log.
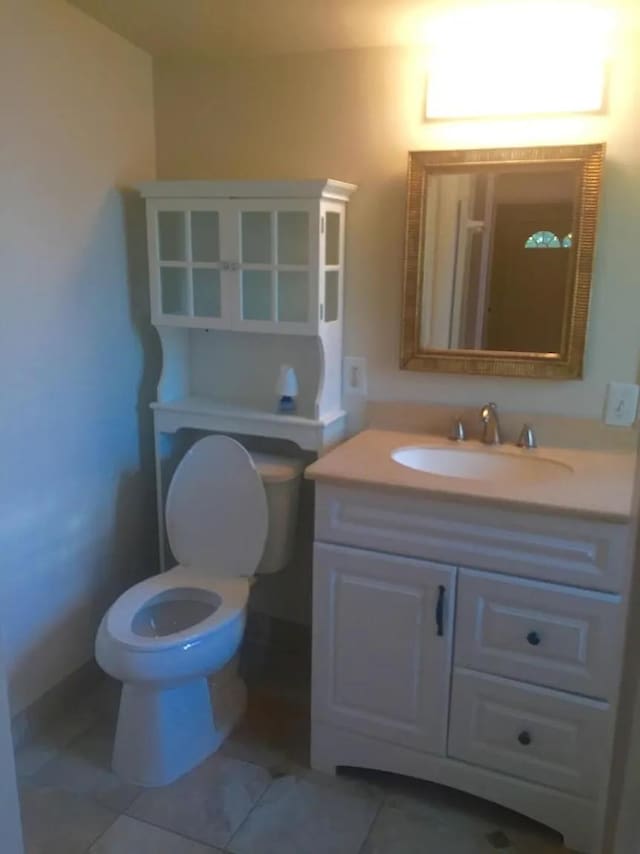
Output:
(475, 646)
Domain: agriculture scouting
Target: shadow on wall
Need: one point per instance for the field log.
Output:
(132, 554)
(286, 595)
(138, 279)
(78, 514)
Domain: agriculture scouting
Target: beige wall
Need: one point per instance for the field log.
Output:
(76, 506)
(354, 115)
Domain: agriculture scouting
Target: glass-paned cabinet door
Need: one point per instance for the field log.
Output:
(187, 267)
(275, 269)
(332, 266)
(172, 235)
(257, 295)
(332, 239)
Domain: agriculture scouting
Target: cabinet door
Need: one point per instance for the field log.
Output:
(332, 261)
(274, 256)
(190, 280)
(382, 639)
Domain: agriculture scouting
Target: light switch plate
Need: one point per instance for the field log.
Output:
(621, 407)
(354, 376)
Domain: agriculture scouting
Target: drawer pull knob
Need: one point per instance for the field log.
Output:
(440, 611)
(533, 638)
(524, 738)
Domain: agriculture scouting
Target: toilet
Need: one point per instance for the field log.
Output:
(172, 639)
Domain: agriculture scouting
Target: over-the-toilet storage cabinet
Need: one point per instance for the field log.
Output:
(476, 646)
(246, 276)
(248, 256)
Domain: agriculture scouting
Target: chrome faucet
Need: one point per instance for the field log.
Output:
(491, 434)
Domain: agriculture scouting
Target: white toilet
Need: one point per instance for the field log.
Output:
(229, 515)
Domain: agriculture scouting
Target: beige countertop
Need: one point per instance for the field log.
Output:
(600, 485)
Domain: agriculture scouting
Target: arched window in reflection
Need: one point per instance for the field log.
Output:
(545, 240)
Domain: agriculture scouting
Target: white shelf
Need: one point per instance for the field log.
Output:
(204, 414)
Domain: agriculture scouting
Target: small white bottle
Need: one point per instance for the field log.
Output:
(287, 389)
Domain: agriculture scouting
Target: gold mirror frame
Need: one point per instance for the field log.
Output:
(567, 364)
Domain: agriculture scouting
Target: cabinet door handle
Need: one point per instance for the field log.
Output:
(525, 738)
(533, 638)
(440, 611)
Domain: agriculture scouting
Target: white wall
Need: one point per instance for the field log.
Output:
(627, 819)
(76, 504)
(354, 115)
(9, 806)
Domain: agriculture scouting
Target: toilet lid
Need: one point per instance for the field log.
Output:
(216, 509)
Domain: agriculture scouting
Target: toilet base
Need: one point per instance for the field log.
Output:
(164, 733)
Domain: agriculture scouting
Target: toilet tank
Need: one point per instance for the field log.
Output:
(281, 477)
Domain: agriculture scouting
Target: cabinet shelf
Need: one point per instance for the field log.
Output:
(205, 414)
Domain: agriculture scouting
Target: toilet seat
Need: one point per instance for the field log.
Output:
(232, 592)
(216, 511)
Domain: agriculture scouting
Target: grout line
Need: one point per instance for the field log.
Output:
(143, 789)
(247, 816)
(361, 849)
(116, 816)
(55, 748)
(195, 839)
(171, 831)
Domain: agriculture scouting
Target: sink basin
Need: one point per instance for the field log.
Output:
(479, 463)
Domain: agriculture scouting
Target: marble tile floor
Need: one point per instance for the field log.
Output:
(257, 795)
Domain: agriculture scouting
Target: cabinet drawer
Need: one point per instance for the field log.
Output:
(549, 547)
(543, 633)
(536, 734)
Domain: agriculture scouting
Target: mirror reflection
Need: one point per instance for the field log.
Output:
(498, 257)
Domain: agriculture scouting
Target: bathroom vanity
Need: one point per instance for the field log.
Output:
(470, 630)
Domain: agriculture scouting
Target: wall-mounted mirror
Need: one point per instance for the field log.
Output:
(499, 248)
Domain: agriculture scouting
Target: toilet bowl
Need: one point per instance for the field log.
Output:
(172, 639)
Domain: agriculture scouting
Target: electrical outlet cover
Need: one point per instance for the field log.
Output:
(354, 376)
(621, 407)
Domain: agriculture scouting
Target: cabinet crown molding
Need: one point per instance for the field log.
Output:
(322, 188)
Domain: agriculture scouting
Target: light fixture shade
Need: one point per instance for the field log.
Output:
(287, 385)
(525, 59)
(527, 92)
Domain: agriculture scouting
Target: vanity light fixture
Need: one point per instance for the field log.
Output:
(525, 59)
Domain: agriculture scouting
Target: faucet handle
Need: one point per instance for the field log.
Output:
(488, 410)
(527, 438)
(457, 433)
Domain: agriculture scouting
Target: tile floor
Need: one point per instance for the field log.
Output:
(256, 796)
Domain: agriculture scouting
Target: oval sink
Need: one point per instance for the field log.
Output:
(479, 464)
